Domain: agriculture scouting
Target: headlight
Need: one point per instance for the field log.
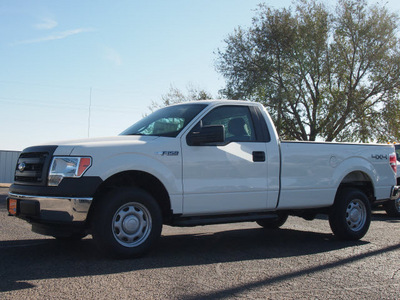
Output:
(70, 166)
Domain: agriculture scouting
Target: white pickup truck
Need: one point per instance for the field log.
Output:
(199, 163)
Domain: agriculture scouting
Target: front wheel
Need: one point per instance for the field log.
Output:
(392, 208)
(126, 222)
(350, 216)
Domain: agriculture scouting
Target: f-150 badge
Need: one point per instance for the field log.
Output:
(168, 153)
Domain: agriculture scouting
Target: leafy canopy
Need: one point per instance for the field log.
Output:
(175, 96)
(327, 74)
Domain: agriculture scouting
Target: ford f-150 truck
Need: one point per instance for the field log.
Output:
(205, 162)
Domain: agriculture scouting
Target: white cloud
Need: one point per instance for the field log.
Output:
(55, 36)
(113, 56)
(46, 24)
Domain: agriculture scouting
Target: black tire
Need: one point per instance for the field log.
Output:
(126, 223)
(350, 215)
(273, 223)
(392, 208)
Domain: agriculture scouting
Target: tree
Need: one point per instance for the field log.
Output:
(175, 96)
(323, 74)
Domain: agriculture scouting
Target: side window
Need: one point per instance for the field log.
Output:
(237, 122)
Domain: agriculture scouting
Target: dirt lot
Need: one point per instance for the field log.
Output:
(302, 260)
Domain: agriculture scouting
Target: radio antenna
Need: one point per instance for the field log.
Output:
(90, 107)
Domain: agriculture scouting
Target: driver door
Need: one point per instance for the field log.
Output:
(229, 177)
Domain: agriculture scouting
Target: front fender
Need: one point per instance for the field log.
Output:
(166, 169)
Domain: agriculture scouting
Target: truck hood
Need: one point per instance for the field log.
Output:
(68, 147)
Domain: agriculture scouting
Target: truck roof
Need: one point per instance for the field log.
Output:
(221, 101)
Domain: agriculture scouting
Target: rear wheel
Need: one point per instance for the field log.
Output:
(392, 208)
(273, 223)
(350, 216)
(126, 223)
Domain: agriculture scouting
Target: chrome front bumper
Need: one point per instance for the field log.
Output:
(52, 209)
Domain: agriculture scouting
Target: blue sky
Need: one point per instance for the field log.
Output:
(57, 56)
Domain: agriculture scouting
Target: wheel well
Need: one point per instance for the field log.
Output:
(360, 181)
(138, 179)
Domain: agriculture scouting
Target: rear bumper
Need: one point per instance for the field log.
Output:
(50, 208)
(395, 193)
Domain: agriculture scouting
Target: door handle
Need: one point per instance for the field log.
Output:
(258, 156)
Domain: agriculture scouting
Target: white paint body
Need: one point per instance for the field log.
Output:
(224, 179)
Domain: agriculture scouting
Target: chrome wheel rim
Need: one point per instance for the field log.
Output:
(131, 224)
(356, 215)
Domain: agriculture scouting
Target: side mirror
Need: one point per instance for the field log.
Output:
(206, 135)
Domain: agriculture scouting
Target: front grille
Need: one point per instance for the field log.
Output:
(32, 166)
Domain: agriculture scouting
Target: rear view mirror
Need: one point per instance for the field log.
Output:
(206, 135)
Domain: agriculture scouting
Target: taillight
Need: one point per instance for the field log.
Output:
(393, 162)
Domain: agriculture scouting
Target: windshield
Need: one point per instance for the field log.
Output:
(168, 121)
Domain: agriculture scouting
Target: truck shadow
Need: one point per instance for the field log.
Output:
(384, 218)
(375, 216)
(26, 260)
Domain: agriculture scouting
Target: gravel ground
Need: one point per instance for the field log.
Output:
(302, 260)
